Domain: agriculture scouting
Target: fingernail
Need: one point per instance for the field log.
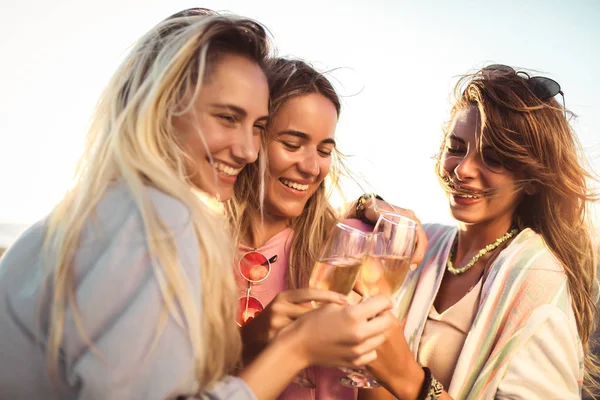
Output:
(413, 267)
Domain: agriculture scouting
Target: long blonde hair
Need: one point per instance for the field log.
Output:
(288, 79)
(132, 141)
(530, 132)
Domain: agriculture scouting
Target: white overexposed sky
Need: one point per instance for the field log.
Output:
(396, 64)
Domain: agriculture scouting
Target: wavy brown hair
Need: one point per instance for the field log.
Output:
(132, 141)
(533, 137)
(288, 79)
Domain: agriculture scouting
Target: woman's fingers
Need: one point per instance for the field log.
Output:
(289, 310)
(370, 308)
(291, 304)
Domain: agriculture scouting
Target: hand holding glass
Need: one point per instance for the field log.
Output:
(383, 271)
(337, 268)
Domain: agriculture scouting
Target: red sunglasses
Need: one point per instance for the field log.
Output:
(254, 268)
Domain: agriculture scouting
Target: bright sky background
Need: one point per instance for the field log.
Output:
(397, 64)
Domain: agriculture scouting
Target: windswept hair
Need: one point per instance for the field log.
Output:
(132, 142)
(531, 135)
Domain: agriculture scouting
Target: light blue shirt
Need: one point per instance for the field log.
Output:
(120, 304)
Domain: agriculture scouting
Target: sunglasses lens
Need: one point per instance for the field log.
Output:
(248, 308)
(543, 87)
(254, 267)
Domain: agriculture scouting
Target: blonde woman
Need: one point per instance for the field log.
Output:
(125, 290)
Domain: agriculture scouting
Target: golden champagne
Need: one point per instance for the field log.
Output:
(336, 274)
(383, 274)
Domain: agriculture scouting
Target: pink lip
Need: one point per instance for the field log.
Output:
(466, 188)
(226, 178)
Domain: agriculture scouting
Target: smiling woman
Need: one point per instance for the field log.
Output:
(232, 107)
(497, 191)
(299, 153)
(297, 216)
(136, 215)
(502, 305)
(300, 145)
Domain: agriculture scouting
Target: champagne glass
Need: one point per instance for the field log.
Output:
(339, 263)
(383, 271)
(337, 268)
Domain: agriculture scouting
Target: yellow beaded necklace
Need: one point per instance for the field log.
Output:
(481, 253)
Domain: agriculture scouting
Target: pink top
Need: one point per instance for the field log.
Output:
(326, 379)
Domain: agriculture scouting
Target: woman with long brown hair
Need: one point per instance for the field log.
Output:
(285, 236)
(502, 305)
(291, 227)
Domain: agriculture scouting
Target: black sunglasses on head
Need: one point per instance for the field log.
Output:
(541, 86)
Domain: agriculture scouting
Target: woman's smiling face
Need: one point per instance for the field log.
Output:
(485, 190)
(299, 153)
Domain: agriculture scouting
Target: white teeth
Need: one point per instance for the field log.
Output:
(226, 169)
(467, 196)
(294, 185)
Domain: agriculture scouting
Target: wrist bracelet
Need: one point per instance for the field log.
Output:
(431, 388)
(424, 392)
(361, 206)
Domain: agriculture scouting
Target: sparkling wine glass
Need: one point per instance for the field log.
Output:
(383, 271)
(337, 268)
(339, 263)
